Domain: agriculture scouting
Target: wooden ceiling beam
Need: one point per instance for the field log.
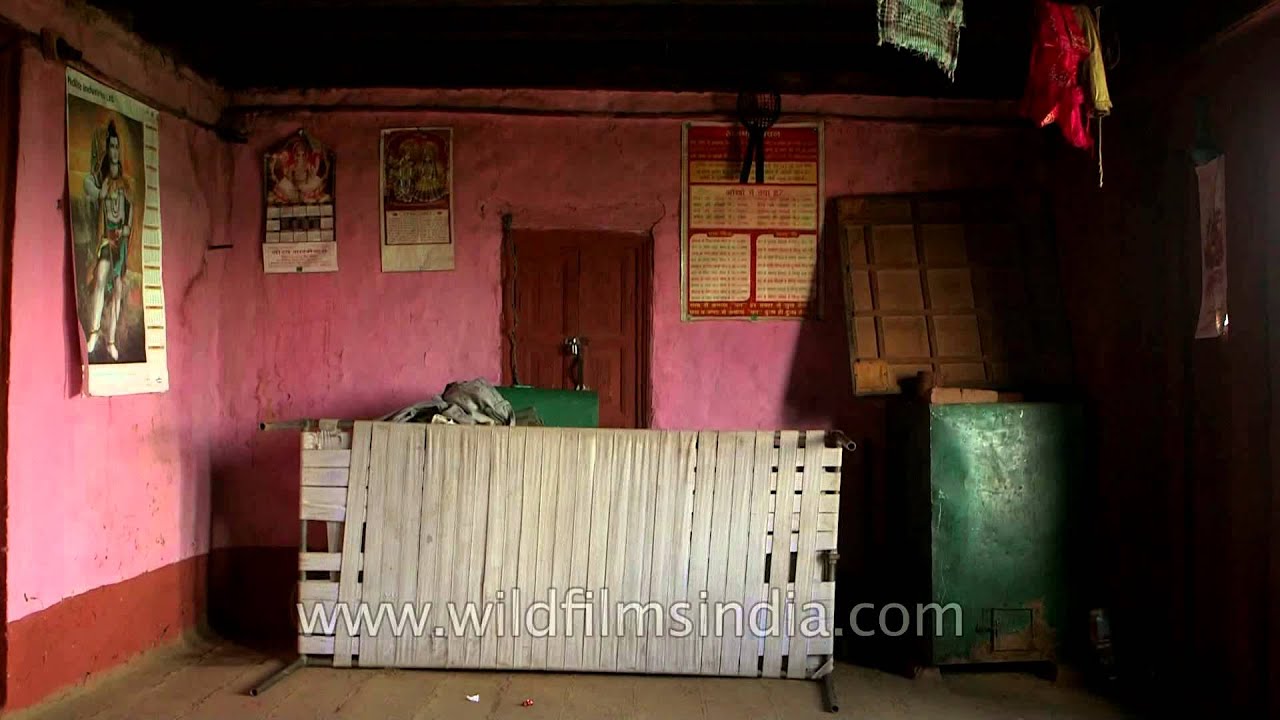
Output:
(622, 44)
(571, 4)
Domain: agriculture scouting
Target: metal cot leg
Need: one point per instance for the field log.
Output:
(278, 675)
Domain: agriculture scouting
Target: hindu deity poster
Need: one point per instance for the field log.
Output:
(113, 177)
(417, 199)
(1211, 178)
(298, 184)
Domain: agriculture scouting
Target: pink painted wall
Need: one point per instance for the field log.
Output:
(103, 490)
(361, 342)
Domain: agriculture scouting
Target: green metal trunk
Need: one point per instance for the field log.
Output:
(556, 408)
(987, 496)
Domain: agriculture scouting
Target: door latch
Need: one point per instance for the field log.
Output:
(577, 347)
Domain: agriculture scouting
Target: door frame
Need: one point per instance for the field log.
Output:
(644, 310)
(10, 97)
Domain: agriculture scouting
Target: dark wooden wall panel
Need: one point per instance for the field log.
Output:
(1186, 434)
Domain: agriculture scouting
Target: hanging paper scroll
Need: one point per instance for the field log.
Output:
(298, 183)
(1211, 178)
(113, 181)
(750, 250)
(416, 176)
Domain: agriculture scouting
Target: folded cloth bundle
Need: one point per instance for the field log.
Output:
(470, 402)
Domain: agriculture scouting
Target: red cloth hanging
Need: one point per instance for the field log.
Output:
(1053, 92)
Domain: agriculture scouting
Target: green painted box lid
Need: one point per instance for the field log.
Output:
(556, 408)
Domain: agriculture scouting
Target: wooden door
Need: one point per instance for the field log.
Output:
(590, 285)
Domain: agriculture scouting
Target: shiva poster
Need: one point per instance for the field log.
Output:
(113, 180)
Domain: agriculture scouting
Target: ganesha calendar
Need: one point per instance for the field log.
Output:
(299, 232)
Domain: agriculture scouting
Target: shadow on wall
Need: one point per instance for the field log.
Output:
(820, 395)
(820, 384)
(254, 528)
(252, 584)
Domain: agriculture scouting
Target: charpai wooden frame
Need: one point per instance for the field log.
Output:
(497, 517)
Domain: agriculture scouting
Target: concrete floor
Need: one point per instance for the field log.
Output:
(208, 682)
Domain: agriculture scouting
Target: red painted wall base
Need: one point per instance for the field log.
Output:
(65, 644)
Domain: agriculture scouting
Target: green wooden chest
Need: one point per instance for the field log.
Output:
(982, 496)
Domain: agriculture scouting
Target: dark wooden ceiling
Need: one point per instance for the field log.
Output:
(802, 46)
